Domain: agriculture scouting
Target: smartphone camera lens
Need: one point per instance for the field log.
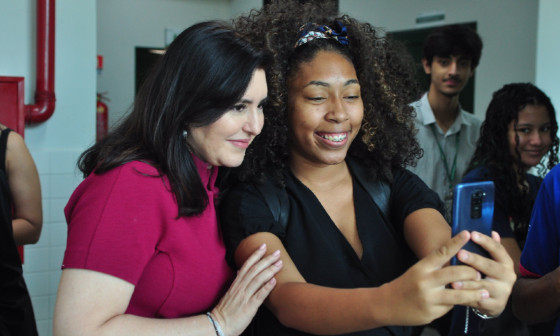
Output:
(476, 204)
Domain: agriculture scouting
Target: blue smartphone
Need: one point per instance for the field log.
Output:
(473, 210)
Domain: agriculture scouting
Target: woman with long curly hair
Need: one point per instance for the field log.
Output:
(518, 133)
(325, 184)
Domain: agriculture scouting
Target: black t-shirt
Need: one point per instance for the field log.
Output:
(319, 250)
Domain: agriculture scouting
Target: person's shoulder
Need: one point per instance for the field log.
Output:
(17, 152)
(555, 172)
(418, 106)
(132, 180)
(15, 140)
(142, 168)
(476, 174)
(402, 172)
(250, 189)
(424, 114)
(470, 118)
(137, 174)
(552, 180)
(531, 177)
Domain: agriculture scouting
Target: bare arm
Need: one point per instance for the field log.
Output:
(417, 297)
(514, 252)
(26, 191)
(94, 303)
(426, 230)
(537, 300)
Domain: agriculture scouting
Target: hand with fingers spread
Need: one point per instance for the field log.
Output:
(499, 274)
(422, 293)
(254, 281)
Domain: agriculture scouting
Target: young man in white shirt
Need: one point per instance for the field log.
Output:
(446, 133)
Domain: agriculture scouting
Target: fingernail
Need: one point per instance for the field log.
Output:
(485, 295)
(278, 263)
(276, 253)
(463, 255)
(475, 236)
(262, 247)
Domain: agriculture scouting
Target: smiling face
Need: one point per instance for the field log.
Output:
(325, 109)
(533, 131)
(448, 75)
(224, 142)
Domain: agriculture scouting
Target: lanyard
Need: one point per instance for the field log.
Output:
(450, 174)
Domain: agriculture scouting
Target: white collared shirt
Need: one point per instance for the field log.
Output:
(430, 167)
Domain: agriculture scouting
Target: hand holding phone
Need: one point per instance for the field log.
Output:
(473, 210)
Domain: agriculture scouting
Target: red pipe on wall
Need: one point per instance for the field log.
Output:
(44, 92)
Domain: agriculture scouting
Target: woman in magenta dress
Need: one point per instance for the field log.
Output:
(145, 254)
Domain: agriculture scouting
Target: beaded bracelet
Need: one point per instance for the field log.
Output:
(217, 328)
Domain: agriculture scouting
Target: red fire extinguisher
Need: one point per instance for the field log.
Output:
(102, 117)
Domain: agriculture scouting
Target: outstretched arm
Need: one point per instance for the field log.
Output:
(26, 191)
(425, 230)
(417, 297)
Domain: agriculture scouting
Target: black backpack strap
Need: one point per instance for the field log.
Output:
(3, 146)
(277, 201)
(378, 190)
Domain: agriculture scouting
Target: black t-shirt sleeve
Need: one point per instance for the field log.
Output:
(243, 212)
(409, 193)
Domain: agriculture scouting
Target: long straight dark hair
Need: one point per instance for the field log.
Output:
(202, 74)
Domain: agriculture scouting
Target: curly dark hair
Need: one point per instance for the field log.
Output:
(385, 71)
(492, 149)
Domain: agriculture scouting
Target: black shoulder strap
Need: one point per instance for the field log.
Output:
(3, 147)
(277, 201)
(378, 190)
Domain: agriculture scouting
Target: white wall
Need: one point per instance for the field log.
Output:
(55, 143)
(123, 25)
(239, 7)
(508, 30)
(509, 52)
(548, 51)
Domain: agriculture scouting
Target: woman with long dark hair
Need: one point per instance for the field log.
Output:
(518, 134)
(145, 255)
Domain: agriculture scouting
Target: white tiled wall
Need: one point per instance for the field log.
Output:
(59, 177)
